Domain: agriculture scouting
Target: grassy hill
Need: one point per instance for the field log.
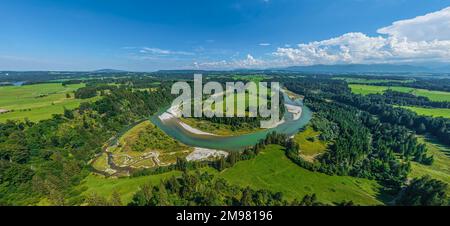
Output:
(272, 170)
(440, 169)
(126, 186)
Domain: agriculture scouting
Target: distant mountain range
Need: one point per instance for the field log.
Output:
(319, 68)
(108, 71)
(374, 68)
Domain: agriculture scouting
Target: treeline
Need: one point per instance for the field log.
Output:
(424, 192)
(439, 84)
(407, 99)
(361, 145)
(93, 90)
(47, 159)
(203, 189)
(235, 122)
(439, 127)
(429, 83)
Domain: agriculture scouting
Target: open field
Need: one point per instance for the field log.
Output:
(126, 187)
(38, 102)
(440, 169)
(310, 144)
(371, 89)
(253, 78)
(272, 170)
(371, 81)
(434, 112)
(249, 100)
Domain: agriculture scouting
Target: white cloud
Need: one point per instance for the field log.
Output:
(157, 51)
(248, 62)
(432, 26)
(421, 39)
(424, 38)
(344, 49)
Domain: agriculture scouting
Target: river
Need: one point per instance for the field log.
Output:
(233, 143)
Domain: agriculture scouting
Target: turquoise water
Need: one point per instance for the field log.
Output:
(233, 143)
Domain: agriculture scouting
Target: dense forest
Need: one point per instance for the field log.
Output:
(50, 157)
(373, 140)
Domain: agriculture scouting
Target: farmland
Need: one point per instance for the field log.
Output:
(371, 81)
(434, 112)
(38, 102)
(253, 78)
(372, 89)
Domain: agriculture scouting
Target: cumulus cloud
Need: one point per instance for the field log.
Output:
(424, 38)
(432, 26)
(421, 39)
(360, 48)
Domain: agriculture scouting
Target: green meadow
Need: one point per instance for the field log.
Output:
(272, 170)
(371, 81)
(434, 112)
(440, 169)
(310, 144)
(372, 89)
(126, 186)
(253, 78)
(37, 102)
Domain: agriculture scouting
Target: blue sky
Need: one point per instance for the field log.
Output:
(219, 34)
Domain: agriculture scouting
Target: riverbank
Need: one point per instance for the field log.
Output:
(194, 130)
(200, 154)
(295, 110)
